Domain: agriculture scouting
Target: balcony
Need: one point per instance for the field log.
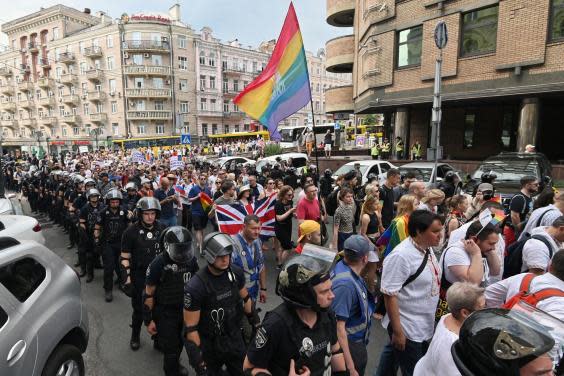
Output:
(93, 52)
(69, 78)
(209, 113)
(49, 120)
(45, 82)
(234, 114)
(233, 71)
(339, 99)
(98, 117)
(26, 103)
(33, 47)
(149, 115)
(8, 106)
(11, 123)
(340, 54)
(67, 58)
(5, 72)
(94, 74)
(230, 93)
(96, 96)
(146, 45)
(47, 101)
(28, 122)
(45, 63)
(340, 13)
(7, 89)
(25, 86)
(147, 70)
(148, 93)
(70, 99)
(71, 119)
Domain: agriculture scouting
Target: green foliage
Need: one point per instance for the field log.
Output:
(272, 149)
(370, 120)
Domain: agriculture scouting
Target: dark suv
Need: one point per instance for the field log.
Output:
(509, 169)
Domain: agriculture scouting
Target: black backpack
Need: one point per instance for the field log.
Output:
(513, 261)
(332, 202)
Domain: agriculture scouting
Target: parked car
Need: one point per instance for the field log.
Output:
(21, 227)
(299, 160)
(425, 171)
(367, 167)
(6, 205)
(509, 168)
(224, 162)
(43, 322)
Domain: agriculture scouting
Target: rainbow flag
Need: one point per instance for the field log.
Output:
(206, 201)
(497, 216)
(282, 89)
(496, 198)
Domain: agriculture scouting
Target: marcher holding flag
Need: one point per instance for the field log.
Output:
(199, 196)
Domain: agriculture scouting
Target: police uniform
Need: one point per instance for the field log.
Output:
(354, 305)
(113, 223)
(169, 278)
(221, 310)
(86, 249)
(143, 245)
(283, 336)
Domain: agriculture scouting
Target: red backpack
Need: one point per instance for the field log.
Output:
(531, 298)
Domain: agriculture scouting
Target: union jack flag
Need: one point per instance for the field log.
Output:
(230, 217)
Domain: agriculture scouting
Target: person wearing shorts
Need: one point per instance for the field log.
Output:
(309, 141)
(328, 142)
(199, 216)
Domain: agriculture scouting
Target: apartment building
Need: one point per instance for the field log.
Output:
(503, 72)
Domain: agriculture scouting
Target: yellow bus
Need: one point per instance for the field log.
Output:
(372, 130)
(247, 136)
(163, 142)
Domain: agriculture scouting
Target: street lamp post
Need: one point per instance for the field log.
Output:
(96, 132)
(38, 135)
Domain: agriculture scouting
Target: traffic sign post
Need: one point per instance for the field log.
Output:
(441, 39)
(185, 139)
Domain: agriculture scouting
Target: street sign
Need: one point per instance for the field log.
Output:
(185, 139)
(441, 35)
(337, 126)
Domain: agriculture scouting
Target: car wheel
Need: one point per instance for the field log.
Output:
(66, 360)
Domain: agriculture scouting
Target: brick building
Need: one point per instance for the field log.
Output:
(503, 71)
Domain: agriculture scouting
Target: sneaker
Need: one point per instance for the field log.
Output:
(108, 296)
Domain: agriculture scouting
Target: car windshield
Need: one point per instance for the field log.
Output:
(421, 173)
(507, 170)
(346, 168)
(287, 135)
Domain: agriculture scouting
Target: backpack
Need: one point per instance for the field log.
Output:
(513, 261)
(332, 202)
(524, 294)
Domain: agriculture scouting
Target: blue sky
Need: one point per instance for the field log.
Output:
(251, 21)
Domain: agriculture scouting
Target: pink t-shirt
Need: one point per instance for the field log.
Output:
(308, 210)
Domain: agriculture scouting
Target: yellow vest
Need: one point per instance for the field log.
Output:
(375, 150)
(416, 149)
(399, 146)
(386, 147)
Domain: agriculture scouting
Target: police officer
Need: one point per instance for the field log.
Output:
(113, 223)
(302, 328)
(353, 304)
(77, 199)
(164, 294)
(89, 237)
(214, 302)
(139, 246)
(291, 178)
(447, 185)
(326, 184)
(399, 148)
(131, 197)
(386, 147)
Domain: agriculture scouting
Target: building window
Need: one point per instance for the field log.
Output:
(212, 104)
(225, 106)
(186, 128)
(316, 106)
(75, 131)
(212, 59)
(55, 33)
(469, 127)
(557, 20)
(139, 82)
(115, 129)
(237, 128)
(138, 59)
(112, 85)
(202, 82)
(214, 128)
(85, 109)
(226, 128)
(159, 106)
(224, 64)
(158, 83)
(479, 31)
(235, 85)
(182, 62)
(212, 82)
(508, 130)
(64, 131)
(110, 63)
(204, 129)
(184, 109)
(141, 129)
(409, 47)
(225, 85)
(160, 129)
(181, 41)
(114, 107)
(109, 41)
(203, 104)
(246, 127)
(183, 85)
(202, 58)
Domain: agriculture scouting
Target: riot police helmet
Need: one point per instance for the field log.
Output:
(113, 194)
(148, 203)
(217, 244)
(449, 177)
(301, 273)
(78, 179)
(498, 341)
(488, 177)
(92, 192)
(131, 186)
(177, 243)
(371, 177)
(89, 181)
(328, 172)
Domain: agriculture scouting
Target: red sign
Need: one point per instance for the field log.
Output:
(144, 17)
(57, 142)
(81, 142)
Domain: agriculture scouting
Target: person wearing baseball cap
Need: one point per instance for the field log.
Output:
(310, 233)
(353, 304)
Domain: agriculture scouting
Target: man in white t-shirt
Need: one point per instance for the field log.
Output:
(500, 292)
(544, 216)
(474, 258)
(536, 254)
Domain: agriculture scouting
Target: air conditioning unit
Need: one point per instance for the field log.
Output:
(131, 104)
(125, 55)
(146, 55)
(164, 39)
(167, 82)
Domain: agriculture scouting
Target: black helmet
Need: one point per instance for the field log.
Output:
(372, 176)
(92, 192)
(113, 194)
(497, 341)
(301, 273)
(328, 172)
(176, 241)
(449, 177)
(217, 244)
(148, 203)
(488, 177)
(131, 186)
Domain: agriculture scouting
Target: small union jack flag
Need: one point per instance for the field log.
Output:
(230, 217)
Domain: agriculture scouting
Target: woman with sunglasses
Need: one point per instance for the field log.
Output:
(270, 188)
(283, 227)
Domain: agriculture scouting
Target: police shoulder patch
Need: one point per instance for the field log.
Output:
(187, 300)
(260, 338)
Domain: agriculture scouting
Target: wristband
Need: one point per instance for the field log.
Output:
(263, 289)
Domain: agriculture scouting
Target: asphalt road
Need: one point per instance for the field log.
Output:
(108, 352)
